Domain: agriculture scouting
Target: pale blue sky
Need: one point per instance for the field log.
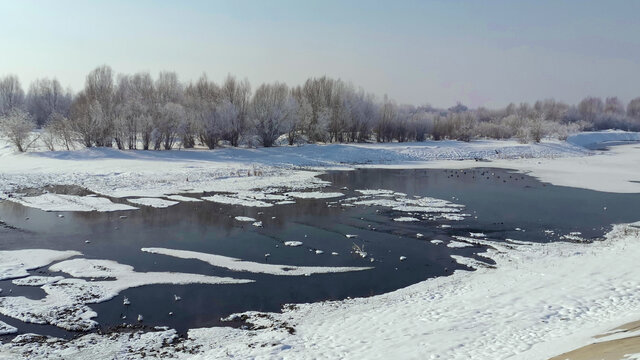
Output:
(438, 52)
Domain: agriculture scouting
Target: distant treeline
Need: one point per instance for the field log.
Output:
(139, 112)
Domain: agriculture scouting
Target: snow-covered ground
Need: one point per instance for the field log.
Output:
(539, 300)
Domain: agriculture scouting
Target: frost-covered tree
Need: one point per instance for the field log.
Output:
(384, 128)
(61, 131)
(237, 93)
(362, 115)
(92, 109)
(301, 115)
(318, 93)
(270, 109)
(46, 97)
(590, 108)
(216, 123)
(168, 89)
(172, 115)
(633, 109)
(613, 105)
(17, 126)
(11, 94)
(200, 99)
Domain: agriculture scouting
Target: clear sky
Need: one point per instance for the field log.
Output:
(485, 53)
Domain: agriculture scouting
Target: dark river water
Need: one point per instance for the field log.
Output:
(499, 202)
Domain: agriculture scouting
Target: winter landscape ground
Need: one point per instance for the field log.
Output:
(539, 300)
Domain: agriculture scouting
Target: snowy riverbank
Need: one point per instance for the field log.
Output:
(540, 300)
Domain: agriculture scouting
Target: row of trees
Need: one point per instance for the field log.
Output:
(137, 111)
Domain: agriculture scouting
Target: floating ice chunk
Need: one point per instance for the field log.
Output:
(61, 202)
(318, 252)
(406, 219)
(183, 198)
(15, 263)
(245, 218)
(403, 258)
(257, 224)
(351, 236)
(334, 253)
(458, 244)
(436, 241)
(249, 266)
(126, 301)
(176, 297)
(153, 202)
(293, 243)
(235, 200)
(313, 194)
(378, 192)
(6, 329)
(477, 235)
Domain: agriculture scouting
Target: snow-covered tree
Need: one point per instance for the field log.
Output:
(270, 109)
(11, 94)
(613, 105)
(633, 109)
(46, 97)
(590, 108)
(17, 126)
(237, 93)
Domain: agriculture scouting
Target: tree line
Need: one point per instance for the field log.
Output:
(139, 112)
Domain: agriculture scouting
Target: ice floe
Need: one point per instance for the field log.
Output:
(406, 219)
(183, 198)
(6, 329)
(15, 263)
(313, 194)
(249, 266)
(405, 204)
(153, 202)
(245, 219)
(61, 202)
(235, 200)
(293, 243)
(458, 244)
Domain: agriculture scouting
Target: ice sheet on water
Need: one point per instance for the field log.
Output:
(250, 266)
(153, 202)
(62, 202)
(15, 263)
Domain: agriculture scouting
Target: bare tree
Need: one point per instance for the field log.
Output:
(61, 129)
(99, 91)
(270, 108)
(633, 109)
(613, 105)
(46, 97)
(216, 123)
(590, 108)
(238, 93)
(11, 94)
(18, 127)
